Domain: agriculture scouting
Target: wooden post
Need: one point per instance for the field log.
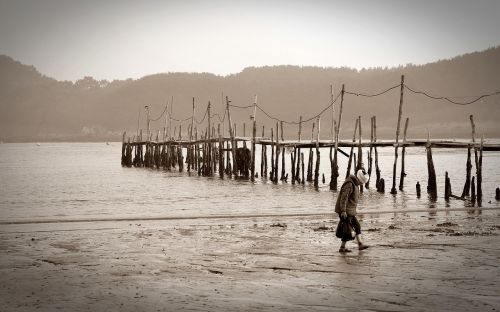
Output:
(377, 169)
(359, 164)
(393, 188)
(352, 150)
(370, 155)
(447, 187)
(252, 164)
(262, 147)
(208, 164)
(276, 164)
(271, 176)
(335, 167)
(302, 164)
(403, 173)
(479, 175)
(293, 156)
(316, 170)
(297, 168)
(233, 142)
(310, 159)
(221, 153)
(473, 191)
(497, 193)
(300, 128)
(468, 168)
(282, 178)
(431, 182)
(418, 189)
(123, 149)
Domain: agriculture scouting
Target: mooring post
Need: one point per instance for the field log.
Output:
(271, 176)
(360, 153)
(123, 148)
(418, 189)
(221, 153)
(262, 147)
(497, 193)
(393, 189)
(276, 164)
(292, 164)
(447, 187)
(431, 182)
(370, 155)
(377, 169)
(310, 159)
(335, 166)
(302, 164)
(403, 173)
(479, 174)
(233, 143)
(254, 133)
(468, 168)
(352, 150)
(473, 191)
(316, 170)
(282, 178)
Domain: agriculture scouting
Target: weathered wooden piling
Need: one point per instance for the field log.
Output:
(359, 163)
(221, 153)
(479, 175)
(276, 160)
(316, 170)
(302, 165)
(292, 164)
(497, 193)
(123, 149)
(400, 112)
(473, 191)
(252, 164)
(335, 167)
(271, 175)
(447, 187)
(348, 171)
(310, 159)
(233, 141)
(262, 149)
(370, 155)
(468, 168)
(403, 151)
(418, 189)
(431, 172)
(381, 186)
(283, 154)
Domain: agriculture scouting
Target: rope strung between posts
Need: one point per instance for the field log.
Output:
(222, 119)
(204, 116)
(303, 121)
(450, 100)
(161, 115)
(373, 95)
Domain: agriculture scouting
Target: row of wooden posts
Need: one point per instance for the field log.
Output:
(211, 152)
(214, 154)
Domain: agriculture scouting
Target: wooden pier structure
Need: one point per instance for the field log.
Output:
(208, 152)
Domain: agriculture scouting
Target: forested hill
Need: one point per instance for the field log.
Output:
(34, 107)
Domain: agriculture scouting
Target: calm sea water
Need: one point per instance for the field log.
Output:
(83, 180)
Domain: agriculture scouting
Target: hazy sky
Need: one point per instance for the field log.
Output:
(69, 39)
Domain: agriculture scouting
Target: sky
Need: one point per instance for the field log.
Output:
(110, 39)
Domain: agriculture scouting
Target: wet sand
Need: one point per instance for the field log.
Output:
(417, 262)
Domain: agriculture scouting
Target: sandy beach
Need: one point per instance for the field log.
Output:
(417, 262)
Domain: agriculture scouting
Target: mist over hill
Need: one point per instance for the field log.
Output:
(34, 107)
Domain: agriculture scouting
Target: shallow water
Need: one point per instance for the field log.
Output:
(84, 180)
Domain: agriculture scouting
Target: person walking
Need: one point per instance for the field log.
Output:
(346, 204)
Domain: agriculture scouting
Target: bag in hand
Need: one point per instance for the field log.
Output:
(344, 230)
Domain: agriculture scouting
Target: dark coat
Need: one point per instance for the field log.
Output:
(348, 197)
